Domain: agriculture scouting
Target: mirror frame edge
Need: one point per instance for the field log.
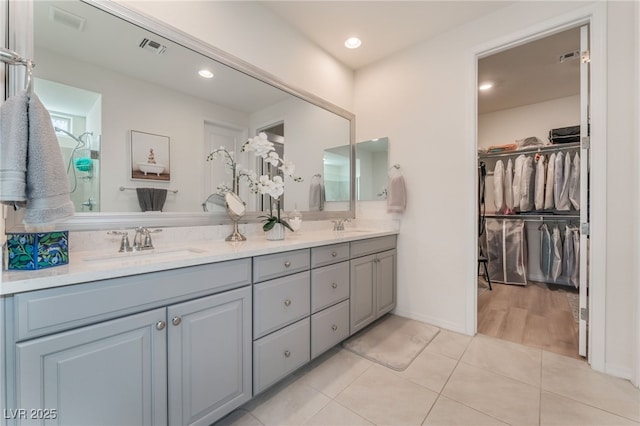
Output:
(23, 41)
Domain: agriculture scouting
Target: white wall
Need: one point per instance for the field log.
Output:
(420, 99)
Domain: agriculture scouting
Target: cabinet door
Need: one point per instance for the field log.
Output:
(112, 373)
(209, 357)
(385, 282)
(363, 304)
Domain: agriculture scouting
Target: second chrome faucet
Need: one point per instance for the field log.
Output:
(141, 241)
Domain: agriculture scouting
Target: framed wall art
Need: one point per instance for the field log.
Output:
(150, 157)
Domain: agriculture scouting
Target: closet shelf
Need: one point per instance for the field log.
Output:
(546, 148)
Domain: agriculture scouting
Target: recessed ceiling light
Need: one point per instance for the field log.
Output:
(353, 42)
(485, 86)
(205, 73)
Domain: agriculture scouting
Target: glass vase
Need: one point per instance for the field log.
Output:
(275, 233)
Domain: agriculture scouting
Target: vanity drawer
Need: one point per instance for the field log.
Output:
(372, 245)
(280, 302)
(329, 285)
(329, 327)
(276, 265)
(42, 312)
(326, 255)
(280, 353)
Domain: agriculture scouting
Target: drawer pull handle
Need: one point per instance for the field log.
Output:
(334, 285)
(334, 254)
(160, 325)
(287, 302)
(287, 354)
(334, 327)
(287, 264)
(176, 320)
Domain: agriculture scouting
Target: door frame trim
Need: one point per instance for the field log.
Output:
(596, 16)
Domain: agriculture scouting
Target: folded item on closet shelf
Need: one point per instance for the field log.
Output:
(530, 142)
(502, 148)
(14, 138)
(48, 198)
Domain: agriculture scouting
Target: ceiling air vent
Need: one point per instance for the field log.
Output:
(569, 56)
(65, 18)
(152, 46)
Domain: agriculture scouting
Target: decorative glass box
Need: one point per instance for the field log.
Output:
(31, 251)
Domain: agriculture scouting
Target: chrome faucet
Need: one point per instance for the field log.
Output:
(338, 225)
(125, 246)
(142, 239)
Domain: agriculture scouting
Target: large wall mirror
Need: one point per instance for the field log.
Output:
(106, 73)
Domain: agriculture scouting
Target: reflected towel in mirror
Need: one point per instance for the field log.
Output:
(151, 199)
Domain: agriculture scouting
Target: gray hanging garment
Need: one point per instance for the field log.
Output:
(517, 177)
(558, 174)
(498, 186)
(556, 262)
(574, 185)
(568, 259)
(527, 185)
(508, 187)
(548, 189)
(564, 203)
(575, 276)
(546, 251)
(540, 179)
(506, 251)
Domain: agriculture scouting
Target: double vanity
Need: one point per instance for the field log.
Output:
(185, 335)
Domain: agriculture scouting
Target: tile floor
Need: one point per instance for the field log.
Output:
(456, 380)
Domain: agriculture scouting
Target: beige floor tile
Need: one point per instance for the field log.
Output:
(429, 370)
(291, 405)
(510, 359)
(449, 344)
(334, 414)
(239, 418)
(334, 371)
(447, 412)
(506, 399)
(383, 398)
(576, 380)
(561, 411)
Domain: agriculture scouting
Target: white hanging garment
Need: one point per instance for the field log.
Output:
(508, 186)
(540, 179)
(517, 177)
(546, 251)
(556, 262)
(574, 185)
(564, 203)
(498, 186)
(575, 276)
(527, 185)
(558, 175)
(548, 189)
(568, 259)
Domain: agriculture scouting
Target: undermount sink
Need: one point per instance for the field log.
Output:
(140, 256)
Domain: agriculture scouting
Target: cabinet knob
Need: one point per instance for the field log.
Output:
(287, 264)
(334, 254)
(176, 320)
(287, 302)
(334, 285)
(287, 354)
(160, 325)
(334, 327)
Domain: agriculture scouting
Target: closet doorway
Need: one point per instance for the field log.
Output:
(533, 192)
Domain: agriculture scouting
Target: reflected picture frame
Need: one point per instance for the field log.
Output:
(150, 157)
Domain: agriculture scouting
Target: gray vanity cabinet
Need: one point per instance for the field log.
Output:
(373, 280)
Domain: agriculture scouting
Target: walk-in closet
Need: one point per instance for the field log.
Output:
(533, 175)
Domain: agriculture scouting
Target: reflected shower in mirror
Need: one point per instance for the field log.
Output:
(105, 86)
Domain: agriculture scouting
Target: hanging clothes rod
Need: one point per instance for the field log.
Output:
(556, 147)
(122, 188)
(536, 217)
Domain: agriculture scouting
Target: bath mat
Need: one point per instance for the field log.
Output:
(392, 341)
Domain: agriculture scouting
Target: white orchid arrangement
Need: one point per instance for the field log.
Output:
(271, 184)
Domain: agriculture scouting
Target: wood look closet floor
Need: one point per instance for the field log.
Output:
(532, 315)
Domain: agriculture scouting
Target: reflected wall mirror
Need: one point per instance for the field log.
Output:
(371, 170)
(104, 71)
